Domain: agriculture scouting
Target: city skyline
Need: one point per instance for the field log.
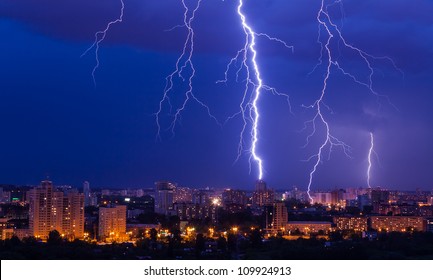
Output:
(59, 124)
(85, 188)
(170, 222)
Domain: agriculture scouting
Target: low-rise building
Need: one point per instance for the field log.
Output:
(358, 224)
(397, 223)
(307, 227)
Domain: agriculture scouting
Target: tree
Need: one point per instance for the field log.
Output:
(153, 234)
(256, 238)
(336, 236)
(31, 240)
(222, 243)
(200, 244)
(177, 236)
(232, 242)
(15, 241)
(54, 237)
(140, 233)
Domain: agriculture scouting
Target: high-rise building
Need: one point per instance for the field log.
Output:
(87, 194)
(295, 193)
(50, 210)
(203, 196)
(363, 201)
(379, 197)
(261, 186)
(280, 216)
(164, 195)
(182, 195)
(262, 196)
(322, 197)
(45, 210)
(338, 196)
(234, 197)
(352, 193)
(73, 215)
(112, 223)
(5, 196)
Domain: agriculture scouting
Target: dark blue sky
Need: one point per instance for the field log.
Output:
(54, 121)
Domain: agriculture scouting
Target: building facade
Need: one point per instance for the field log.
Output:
(262, 196)
(234, 200)
(358, 224)
(164, 197)
(73, 215)
(112, 223)
(280, 216)
(308, 227)
(397, 223)
(50, 210)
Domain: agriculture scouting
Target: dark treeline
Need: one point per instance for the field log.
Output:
(416, 245)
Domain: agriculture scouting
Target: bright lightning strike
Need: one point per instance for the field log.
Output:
(99, 37)
(333, 32)
(183, 66)
(370, 151)
(248, 108)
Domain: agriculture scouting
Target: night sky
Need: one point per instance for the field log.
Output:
(54, 121)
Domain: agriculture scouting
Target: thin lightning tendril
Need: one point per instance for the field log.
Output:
(370, 151)
(334, 33)
(99, 37)
(248, 107)
(183, 63)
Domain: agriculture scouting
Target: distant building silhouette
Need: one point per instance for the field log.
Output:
(262, 196)
(87, 194)
(260, 186)
(234, 200)
(164, 197)
(182, 195)
(379, 197)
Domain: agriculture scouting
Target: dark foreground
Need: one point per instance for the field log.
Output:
(416, 245)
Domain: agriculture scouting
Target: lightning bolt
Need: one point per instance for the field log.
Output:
(249, 105)
(370, 151)
(333, 32)
(99, 37)
(183, 66)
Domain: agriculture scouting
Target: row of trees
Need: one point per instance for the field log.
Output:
(396, 245)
